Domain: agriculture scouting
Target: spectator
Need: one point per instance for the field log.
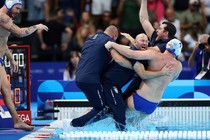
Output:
(98, 7)
(206, 5)
(51, 42)
(129, 24)
(191, 39)
(50, 8)
(200, 57)
(79, 39)
(171, 17)
(192, 15)
(105, 21)
(87, 20)
(156, 9)
(69, 73)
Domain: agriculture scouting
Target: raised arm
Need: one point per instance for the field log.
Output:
(125, 51)
(7, 23)
(191, 60)
(144, 19)
(144, 74)
(129, 37)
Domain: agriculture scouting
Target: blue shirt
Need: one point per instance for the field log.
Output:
(160, 43)
(118, 75)
(94, 59)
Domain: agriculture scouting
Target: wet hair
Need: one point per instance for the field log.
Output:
(170, 28)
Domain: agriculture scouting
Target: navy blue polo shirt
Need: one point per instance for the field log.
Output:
(118, 75)
(94, 59)
(160, 43)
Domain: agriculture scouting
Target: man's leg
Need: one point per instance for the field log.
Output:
(7, 97)
(94, 94)
(115, 101)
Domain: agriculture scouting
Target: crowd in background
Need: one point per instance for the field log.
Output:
(71, 22)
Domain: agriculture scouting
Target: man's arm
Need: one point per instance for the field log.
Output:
(144, 74)
(139, 67)
(122, 61)
(191, 60)
(125, 51)
(129, 37)
(12, 61)
(144, 19)
(7, 23)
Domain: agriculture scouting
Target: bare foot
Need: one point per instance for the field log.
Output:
(23, 126)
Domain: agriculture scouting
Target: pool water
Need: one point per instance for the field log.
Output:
(156, 127)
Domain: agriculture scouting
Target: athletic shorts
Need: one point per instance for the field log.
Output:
(143, 105)
(99, 6)
(1, 62)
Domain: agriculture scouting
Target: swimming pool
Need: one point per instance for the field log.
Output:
(178, 123)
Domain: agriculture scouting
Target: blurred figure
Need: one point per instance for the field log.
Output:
(155, 24)
(194, 14)
(50, 8)
(171, 17)
(105, 21)
(87, 20)
(69, 73)
(200, 57)
(206, 5)
(128, 13)
(98, 7)
(79, 39)
(51, 42)
(191, 39)
(156, 9)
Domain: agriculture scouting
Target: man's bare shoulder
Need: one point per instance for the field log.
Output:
(4, 18)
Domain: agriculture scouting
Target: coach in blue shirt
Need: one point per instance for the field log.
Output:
(94, 59)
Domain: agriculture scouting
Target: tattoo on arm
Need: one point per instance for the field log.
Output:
(29, 29)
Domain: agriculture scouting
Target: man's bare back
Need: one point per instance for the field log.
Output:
(152, 89)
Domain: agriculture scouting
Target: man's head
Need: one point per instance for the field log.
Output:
(174, 46)
(141, 41)
(166, 31)
(13, 7)
(112, 31)
(193, 5)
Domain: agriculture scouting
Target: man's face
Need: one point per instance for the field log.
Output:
(142, 42)
(15, 10)
(161, 32)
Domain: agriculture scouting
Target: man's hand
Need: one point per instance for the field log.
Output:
(42, 27)
(14, 66)
(167, 70)
(108, 45)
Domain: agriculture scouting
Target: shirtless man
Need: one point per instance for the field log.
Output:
(10, 9)
(146, 98)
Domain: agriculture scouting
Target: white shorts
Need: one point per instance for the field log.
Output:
(99, 6)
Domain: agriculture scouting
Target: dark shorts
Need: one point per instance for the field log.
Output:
(143, 105)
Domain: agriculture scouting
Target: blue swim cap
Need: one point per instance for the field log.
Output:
(174, 46)
(10, 3)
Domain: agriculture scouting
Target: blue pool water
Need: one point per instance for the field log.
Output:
(157, 128)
